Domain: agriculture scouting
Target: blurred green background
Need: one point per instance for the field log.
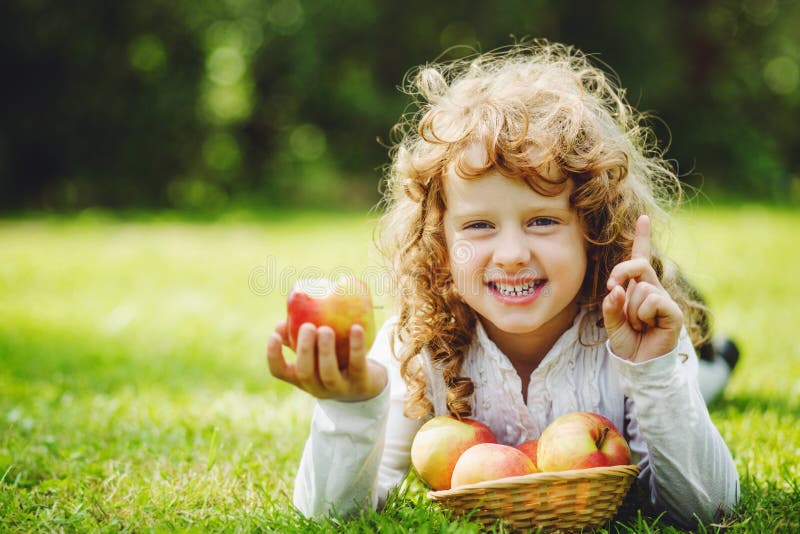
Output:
(198, 114)
(208, 104)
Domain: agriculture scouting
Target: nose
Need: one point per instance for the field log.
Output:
(511, 249)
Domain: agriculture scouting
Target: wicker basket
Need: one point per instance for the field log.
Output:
(564, 500)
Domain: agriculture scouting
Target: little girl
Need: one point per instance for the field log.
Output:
(518, 223)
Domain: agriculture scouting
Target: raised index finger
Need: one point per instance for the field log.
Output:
(641, 239)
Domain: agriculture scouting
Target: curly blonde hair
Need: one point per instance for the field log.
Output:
(544, 114)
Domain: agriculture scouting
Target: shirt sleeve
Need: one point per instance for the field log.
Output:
(356, 451)
(685, 462)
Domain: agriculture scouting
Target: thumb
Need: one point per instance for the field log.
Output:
(614, 309)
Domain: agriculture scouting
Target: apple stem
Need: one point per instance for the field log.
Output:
(602, 438)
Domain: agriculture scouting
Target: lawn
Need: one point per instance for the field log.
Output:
(134, 393)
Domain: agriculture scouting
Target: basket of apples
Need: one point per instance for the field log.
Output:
(574, 476)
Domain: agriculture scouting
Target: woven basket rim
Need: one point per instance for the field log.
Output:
(542, 477)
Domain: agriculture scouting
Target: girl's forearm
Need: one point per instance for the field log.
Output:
(339, 468)
(692, 473)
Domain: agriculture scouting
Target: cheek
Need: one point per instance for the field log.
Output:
(467, 269)
(569, 261)
(577, 244)
(576, 261)
(462, 252)
(465, 274)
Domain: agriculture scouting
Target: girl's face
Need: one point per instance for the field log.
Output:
(517, 258)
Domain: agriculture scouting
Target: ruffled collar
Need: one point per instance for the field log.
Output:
(567, 339)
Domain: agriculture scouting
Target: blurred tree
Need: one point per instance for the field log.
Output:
(197, 103)
(99, 102)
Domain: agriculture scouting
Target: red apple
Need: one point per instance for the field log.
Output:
(439, 443)
(339, 305)
(490, 461)
(580, 440)
(529, 448)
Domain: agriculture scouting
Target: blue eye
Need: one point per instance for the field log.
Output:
(543, 221)
(479, 225)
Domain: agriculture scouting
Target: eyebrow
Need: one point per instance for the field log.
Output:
(534, 210)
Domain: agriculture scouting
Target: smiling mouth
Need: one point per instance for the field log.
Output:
(517, 290)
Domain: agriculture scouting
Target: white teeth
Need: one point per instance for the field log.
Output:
(515, 290)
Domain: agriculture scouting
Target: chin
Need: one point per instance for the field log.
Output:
(521, 322)
(517, 326)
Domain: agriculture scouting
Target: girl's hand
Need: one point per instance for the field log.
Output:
(642, 320)
(316, 370)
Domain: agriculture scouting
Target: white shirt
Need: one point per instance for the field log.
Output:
(358, 451)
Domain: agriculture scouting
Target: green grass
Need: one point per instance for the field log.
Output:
(134, 394)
